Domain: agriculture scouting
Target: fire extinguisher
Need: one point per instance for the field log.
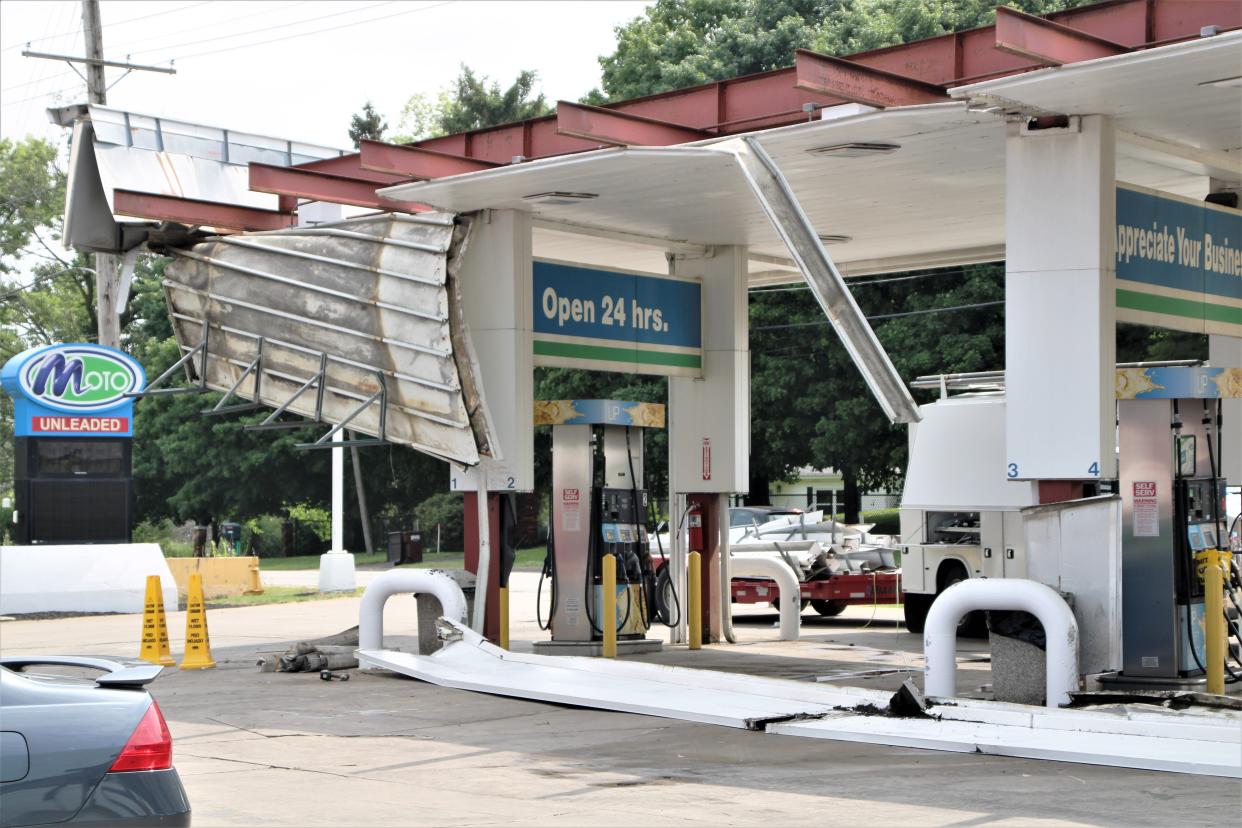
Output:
(694, 525)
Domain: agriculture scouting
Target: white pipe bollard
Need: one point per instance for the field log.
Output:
(789, 601)
(1060, 631)
(395, 582)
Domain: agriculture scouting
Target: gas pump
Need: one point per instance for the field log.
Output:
(1173, 508)
(599, 508)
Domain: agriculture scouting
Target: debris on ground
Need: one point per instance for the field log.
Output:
(333, 652)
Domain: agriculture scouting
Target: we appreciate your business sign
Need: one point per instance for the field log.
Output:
(1179, 262)
(613, 320)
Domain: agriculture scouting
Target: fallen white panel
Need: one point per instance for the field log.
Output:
(1127, 750)
(704, 696)
(1132, 737)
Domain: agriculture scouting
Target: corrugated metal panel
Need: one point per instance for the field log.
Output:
(367, 298)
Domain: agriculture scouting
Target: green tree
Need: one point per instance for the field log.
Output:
(366, 125)
(32, 198)
(474, 103)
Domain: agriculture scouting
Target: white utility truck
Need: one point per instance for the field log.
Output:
(960, 516)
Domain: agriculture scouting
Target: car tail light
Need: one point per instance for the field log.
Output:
(149, 746)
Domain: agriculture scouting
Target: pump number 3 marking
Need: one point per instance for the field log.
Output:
(1013, 470)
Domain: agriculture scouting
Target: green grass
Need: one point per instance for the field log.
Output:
(526, 559)
(312, 561)
(276, 595)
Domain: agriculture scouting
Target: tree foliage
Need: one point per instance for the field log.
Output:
(679, 43)
(474, 103)
(366, 125)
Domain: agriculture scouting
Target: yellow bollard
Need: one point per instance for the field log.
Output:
(197, 643)
(502, 607)
(694, 597)
(155, 626)
(608, 618)
(256, 582)
(1213, 564)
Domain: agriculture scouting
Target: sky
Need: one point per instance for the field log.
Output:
(297, 70)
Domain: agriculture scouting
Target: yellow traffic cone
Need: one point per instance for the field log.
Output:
(155, 626)
(197, 644)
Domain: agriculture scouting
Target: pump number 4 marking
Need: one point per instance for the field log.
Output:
(1094, 469)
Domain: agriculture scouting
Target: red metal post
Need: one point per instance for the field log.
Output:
(319, 186)
(409, 161)
(491, 623)
(608, 126)
(1047, 42)
(194, 211)
(709, 602)
(862, 84)
(350, 166)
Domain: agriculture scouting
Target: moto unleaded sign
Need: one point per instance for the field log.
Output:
(74, 390)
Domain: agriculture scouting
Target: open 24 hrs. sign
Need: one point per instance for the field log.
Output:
(587, 317)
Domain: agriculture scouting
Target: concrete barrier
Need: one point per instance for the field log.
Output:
(104, 577)
(221, 576)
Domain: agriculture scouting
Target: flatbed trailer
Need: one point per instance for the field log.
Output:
(839, 591)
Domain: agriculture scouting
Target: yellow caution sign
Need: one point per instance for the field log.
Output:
(197, 644)
(155, 626)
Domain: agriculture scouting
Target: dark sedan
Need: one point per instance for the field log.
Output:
(83, 750)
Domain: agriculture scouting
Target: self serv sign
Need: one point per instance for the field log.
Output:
(75, 390)
(611, 320)
(1179, 262)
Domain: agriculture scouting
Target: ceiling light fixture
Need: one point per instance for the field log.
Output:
(833, 238)
(856, 149)
(558, 198)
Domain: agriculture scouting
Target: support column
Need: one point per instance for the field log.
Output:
(709, 417)
(1060, 338)
(495, 285)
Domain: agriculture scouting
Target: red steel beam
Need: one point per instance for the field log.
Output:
(319, 186)
(1047, 42)
(193, 211)
(861, 84)
(408, 161)
(770, 99)
(608, 126)
(350, 166)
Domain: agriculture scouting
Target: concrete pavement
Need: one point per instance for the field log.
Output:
(289, 749)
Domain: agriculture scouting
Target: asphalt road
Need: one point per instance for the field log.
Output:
(288, 749)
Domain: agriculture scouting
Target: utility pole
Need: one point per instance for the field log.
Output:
(107, 270)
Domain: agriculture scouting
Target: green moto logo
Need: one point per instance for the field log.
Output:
(80, 378)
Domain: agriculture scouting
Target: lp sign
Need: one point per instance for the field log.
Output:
(611, 320)
(72, 391)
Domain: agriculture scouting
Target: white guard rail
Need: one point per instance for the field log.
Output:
(790, 600)
(394, 582)
(1060, 630)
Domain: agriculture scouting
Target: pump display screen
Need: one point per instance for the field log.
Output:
(1195, 534)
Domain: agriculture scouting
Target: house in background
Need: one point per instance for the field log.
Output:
(822, 489)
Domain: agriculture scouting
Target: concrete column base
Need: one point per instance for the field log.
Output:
(336, 572)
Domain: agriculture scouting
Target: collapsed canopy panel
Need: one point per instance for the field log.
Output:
(352, 323)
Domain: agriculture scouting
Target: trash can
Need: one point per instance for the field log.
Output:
(396, 547)
(413, 547)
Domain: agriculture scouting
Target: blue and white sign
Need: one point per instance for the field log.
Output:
(613, 320)
(75, 390)
(1179, 262)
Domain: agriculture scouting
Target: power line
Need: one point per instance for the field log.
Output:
(863, 283)
(821, 322)
(315, 32)
(117, 23)
(163, 36)
(282, 25)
